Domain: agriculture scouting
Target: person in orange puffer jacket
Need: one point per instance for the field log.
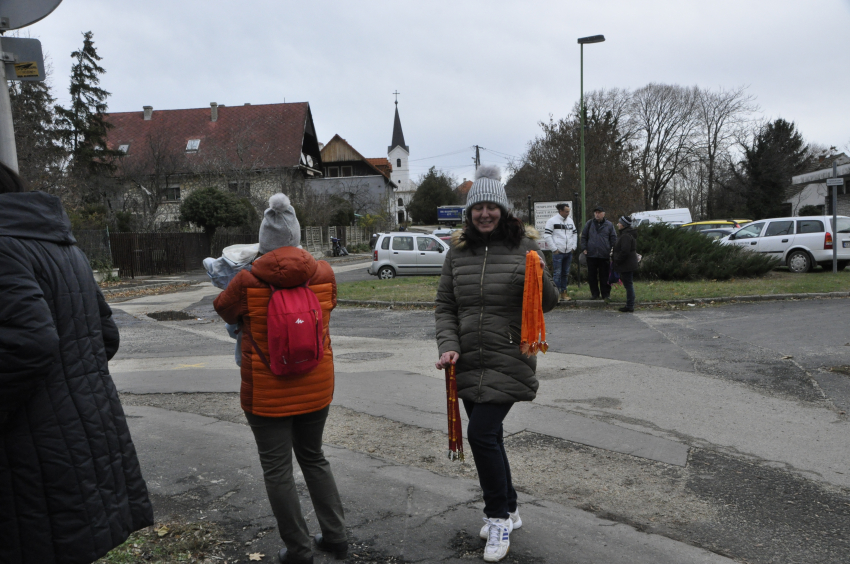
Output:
(288, 413)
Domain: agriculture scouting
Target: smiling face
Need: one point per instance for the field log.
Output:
(485, 216)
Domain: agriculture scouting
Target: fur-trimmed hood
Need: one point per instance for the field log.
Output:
(530, 232)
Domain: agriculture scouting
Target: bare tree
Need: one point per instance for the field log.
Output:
(662, 117)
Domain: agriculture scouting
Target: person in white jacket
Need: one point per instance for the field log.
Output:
(560, 235)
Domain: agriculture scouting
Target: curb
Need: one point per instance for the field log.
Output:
(601, 304)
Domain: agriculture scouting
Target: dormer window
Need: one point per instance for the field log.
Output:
(192, 145)
(125, 148)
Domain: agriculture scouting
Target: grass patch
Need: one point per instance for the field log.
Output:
(165, 543)
(424, 288)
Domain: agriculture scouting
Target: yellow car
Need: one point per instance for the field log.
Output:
(714, 224)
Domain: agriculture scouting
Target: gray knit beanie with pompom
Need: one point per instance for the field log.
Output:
(280, 227)
(488, 188)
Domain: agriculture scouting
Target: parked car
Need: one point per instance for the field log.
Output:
(443, 232)
(716, 234)
(677, 216)
(406, 253)
(798, 242)
(715, 224)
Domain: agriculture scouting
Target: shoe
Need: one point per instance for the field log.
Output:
(515, 518)
(340, 549)
(564, 296)
(627, 309)
(285, 558)
(498, 539)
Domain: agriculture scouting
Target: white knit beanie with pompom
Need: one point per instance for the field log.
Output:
(280, 227)
(488, 188)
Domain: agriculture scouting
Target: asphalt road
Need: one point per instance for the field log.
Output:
(719, 427)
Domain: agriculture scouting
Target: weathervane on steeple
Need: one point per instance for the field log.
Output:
(396, 96)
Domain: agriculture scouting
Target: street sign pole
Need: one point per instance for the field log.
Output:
(8, 152)
(834, 183)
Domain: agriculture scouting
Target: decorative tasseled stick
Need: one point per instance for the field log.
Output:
(455, 428)
(533, 338)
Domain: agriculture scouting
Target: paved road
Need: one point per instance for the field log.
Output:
(737, 397)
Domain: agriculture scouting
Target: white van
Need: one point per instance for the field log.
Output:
(676, 216)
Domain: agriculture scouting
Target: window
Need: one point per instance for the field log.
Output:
(346, 171)
(843, 225)
(777, 228)
(400, 202)
(192, 145)
(125, 148)
(428, 244)
(385, 244)
(172, 193)
(750, 231)
(332, 171)
(398, 163)
(233, 187)
(809, 226)
(403, 243)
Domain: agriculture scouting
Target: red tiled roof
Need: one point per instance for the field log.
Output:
(262, 136)
(382, 164)
(463, 189)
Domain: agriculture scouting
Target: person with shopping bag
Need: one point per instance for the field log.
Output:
(479, 317)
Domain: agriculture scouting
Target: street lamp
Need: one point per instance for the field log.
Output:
(582, 41)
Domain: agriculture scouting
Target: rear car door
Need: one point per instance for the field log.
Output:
(777, 238)
(431, 255)
(403, 254)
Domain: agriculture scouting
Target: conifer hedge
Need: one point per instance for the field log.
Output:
(675, 254)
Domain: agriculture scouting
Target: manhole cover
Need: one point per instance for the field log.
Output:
(364, 355)
(171, 316)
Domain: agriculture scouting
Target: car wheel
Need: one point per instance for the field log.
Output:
(386, 273)
(799, 262)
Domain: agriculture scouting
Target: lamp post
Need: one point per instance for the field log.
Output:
(582, 41)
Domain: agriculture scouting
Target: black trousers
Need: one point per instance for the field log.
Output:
(486, 438)
(597, 275)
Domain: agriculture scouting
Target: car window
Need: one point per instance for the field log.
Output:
(843, 224)
(775, 228)
(428, 244)
(809, 226)
(385, 244)
(403, 243)
(749, 232)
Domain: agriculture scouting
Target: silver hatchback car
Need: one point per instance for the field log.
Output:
(405, 253)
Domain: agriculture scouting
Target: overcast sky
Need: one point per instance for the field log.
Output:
(469, 72)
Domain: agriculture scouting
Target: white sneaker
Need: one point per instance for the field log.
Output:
(515, 518)
(498, 539)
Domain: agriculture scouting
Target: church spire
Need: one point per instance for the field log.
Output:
(398, 134)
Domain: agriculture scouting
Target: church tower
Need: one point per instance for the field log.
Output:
(398, 154)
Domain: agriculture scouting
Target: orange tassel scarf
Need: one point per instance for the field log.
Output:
(533, 339)
(455, 429)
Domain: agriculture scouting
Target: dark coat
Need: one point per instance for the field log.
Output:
(598, 238)
(71, 488)
(479, 315)
(625, 251)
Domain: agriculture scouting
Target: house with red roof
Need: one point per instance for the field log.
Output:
(251, 150)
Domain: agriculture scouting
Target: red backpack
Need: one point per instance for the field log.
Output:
(294, 326)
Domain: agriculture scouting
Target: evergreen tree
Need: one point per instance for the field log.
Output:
(777, 153)
(435, 189)
(82, 124)
(40, 151)
(210, 208)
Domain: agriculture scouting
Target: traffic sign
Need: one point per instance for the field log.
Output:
(23, 58)
(15, 14)
(835, 182)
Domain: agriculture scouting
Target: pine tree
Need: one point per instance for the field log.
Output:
(40, 150)
(83, 125)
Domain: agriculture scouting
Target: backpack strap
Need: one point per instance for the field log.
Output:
(257, 349)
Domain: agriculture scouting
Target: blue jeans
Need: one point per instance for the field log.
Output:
(486, 439)
(561, 263)
(628, 278)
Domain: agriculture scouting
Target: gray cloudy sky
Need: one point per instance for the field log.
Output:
(469, 72)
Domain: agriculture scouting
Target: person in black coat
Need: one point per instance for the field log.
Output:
(71, 487)
(597, 240)
(625, 260)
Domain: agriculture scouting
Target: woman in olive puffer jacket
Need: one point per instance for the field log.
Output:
(479, 319)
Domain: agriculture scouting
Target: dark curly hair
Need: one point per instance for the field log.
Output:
(509, 229)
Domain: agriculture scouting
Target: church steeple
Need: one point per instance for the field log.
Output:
(398, 134)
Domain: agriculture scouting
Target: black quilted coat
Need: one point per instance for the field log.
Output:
(479, 315)
(70, 484)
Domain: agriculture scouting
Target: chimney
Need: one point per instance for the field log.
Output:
(214, 116)
(148, 112)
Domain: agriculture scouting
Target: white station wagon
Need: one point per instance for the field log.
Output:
(405, 252)
(798, 242)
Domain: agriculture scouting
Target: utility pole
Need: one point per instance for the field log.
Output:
(477, 158)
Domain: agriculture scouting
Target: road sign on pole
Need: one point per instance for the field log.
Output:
(835, 182)
(20, 59)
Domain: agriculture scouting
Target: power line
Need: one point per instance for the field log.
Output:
(443, 155)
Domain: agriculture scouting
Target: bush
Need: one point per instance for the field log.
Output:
(675, 254)
(810, 210)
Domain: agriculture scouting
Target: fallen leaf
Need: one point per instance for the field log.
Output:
(787, 357)
(255, 556)
(162, 531)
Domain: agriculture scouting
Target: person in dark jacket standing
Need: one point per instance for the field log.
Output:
(71, 488)
(597, 240)
(625, 260)
(479, 319)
